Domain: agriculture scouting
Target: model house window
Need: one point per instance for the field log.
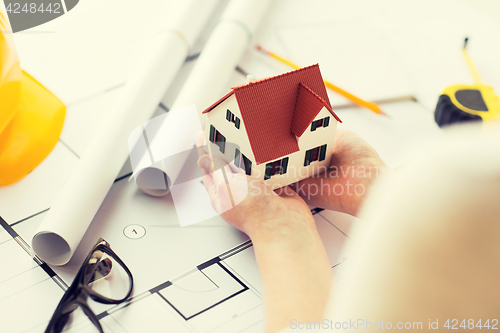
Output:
(241, 161)
(276, 168)
(217, 138)
(315, 154)
(232, 118)
(324, 122)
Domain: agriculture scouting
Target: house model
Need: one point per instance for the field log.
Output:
(282, 127)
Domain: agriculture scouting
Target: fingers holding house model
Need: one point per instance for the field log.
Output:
(343, 187)
(255, 203)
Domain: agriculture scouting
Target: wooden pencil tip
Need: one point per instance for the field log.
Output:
(383, 113)
(376, 108)
(258, 47)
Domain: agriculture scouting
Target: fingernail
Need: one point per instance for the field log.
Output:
(204, 163)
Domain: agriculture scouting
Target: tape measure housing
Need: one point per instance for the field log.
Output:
(462, 103)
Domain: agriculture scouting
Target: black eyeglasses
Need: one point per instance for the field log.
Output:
(103, 277)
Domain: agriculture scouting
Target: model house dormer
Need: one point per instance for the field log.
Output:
(284, 126)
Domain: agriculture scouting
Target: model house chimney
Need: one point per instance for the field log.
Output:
(250, 78)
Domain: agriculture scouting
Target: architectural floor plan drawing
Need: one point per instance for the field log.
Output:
(198, 278)
(29, 288)
(222, 294)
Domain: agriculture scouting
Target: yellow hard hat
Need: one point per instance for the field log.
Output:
(31, 117)
(10, 77)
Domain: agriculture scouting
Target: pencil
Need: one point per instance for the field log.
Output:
(367, 104)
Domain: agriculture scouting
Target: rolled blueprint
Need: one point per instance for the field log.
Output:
(159, 149)
(217, 61)
(69, 217)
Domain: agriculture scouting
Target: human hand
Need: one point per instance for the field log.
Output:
(293, 264)
(343, 187)
(246, 202)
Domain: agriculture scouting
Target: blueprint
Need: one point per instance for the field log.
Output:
(221, 294)
(199, 278)
(29, 289)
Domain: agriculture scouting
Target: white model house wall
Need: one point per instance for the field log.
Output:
(296, 170)
(237, 138)
(321, 136)
(233, 135)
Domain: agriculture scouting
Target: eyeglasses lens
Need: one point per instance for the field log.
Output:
(109, 278)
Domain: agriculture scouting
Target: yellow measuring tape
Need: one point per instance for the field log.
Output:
(463, 103)
(31, 117)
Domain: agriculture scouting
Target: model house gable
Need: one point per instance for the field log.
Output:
(307, 107)
(318, 128)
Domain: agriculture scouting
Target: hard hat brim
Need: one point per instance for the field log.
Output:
(32, 133)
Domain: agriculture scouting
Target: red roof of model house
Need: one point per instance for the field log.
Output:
(276, 109)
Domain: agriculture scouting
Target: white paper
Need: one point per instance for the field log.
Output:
(429, 44)
(80, 198)
(352, 55)
(214, 291)
(221, 294)
(204, 85)
(92, 48)
(395, 137)
(221, 54)
(37, 190)
(28, 296)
